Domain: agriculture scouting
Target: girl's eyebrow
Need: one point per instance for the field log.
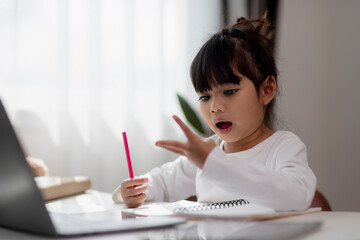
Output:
(203, 92)
(229, 84)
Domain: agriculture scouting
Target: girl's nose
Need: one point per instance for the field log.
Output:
(216, 106)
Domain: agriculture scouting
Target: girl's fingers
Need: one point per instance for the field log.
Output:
(187, 131)
(174, 150)
(136, 201)
(130, 182)
(173, 144)
(133, 192)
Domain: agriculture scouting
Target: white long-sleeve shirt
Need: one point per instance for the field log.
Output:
(274, 173)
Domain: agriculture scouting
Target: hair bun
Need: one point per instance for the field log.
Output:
(259, 26)
(225, 32)
(240, 19)
(237, 33)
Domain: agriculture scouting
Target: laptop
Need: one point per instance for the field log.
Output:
(22, 206)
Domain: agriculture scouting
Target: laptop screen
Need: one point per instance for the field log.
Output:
(21, 204)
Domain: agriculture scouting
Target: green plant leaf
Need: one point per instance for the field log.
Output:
(190, 115)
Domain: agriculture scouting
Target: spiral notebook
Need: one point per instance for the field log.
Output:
(240, 208)
(228, 209)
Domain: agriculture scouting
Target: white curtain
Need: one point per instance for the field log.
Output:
(75, 74)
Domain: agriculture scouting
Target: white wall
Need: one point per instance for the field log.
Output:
(75, 74)
(318, 59)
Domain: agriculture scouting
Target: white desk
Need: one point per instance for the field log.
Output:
(335, 225)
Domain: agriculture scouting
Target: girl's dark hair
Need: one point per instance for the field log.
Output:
(245, 48)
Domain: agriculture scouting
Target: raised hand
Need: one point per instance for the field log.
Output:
(196, 149)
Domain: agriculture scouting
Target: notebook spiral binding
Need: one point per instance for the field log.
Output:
(209, 206)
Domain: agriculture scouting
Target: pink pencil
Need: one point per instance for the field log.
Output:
(128, 155)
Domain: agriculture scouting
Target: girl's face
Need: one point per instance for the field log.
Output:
(236, 113)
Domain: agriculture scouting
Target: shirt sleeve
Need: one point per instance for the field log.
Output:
(172, 181)
(288, 185)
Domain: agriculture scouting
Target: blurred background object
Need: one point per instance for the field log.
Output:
(38, 166)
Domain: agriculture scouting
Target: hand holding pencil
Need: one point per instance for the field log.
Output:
(132, 189)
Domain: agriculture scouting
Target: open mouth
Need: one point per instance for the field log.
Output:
(224, 127)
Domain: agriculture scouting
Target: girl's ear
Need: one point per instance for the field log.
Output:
(268, 90)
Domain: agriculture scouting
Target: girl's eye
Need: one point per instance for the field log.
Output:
(230, 92)
(204, 98)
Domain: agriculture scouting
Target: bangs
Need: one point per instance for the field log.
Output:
(215, 64)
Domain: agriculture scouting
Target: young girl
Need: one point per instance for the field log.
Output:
(235, 77)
